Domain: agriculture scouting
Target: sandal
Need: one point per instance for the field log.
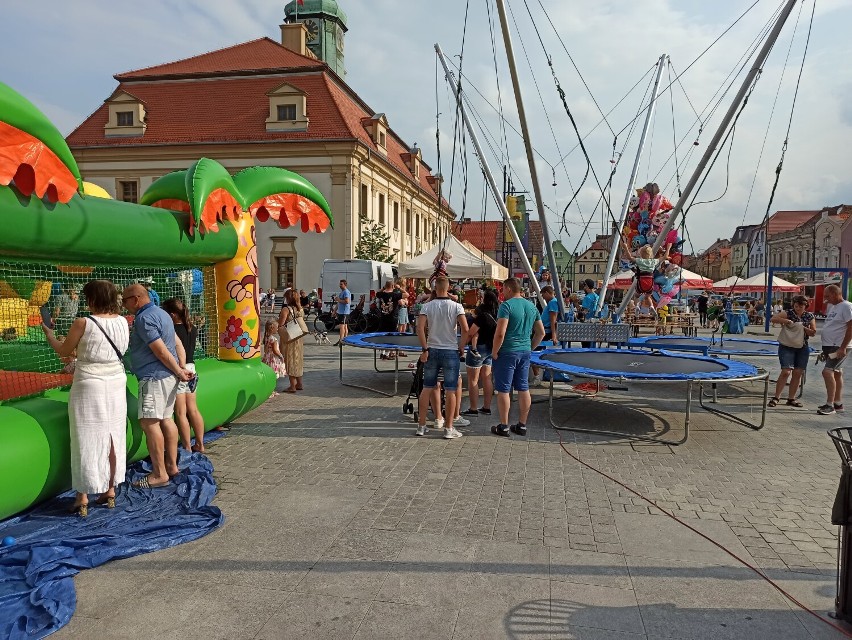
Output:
(109, 501)
(519, 429)
(198, 449)
(792, 402)
(145, 484)
(773, 402)
(501, 430)
(81, 510)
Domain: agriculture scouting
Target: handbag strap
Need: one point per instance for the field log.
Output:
(112, 344)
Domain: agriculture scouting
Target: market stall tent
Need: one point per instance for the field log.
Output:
(467, 262)
(755, 284)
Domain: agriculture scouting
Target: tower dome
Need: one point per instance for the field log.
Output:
(330, 8)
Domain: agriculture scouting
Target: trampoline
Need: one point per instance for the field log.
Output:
(383, 341)
(656, 367)
(742, 347)
(709, 346)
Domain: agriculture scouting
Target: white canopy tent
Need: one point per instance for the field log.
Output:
(467, 262)
(755, 284)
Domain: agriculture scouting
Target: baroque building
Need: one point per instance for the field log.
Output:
(272, 103)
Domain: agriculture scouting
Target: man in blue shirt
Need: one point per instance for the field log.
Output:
(517, 320)
(344, 308)
(155, 357)
(549, 318)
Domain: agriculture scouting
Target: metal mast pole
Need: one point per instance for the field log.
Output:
(539, 200)
(720, 132)
(489, 178)
(616, 237)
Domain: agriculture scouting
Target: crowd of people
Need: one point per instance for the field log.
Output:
(494, 340)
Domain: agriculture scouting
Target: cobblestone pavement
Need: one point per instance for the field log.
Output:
(341, 524)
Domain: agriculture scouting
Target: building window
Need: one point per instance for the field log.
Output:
(417, 225)
(408, 221)
(800, 256)
(596, 268)
(381, 138)
(381, 208)
(582, 268)
(363, 201)
(396, 215)
(286, 272)
(286, 112)
(124, 119)
(128, 190)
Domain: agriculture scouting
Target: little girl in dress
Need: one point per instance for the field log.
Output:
(440, 263)
(272, 355)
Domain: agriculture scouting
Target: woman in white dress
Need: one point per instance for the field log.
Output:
(97, 407)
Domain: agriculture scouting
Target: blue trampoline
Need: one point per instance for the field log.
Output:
(709, 346)
(656, 367)
(383, 341)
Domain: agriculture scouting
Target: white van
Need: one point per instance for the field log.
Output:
(365, 277)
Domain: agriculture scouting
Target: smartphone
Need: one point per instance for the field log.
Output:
(46, 318)
(192, 384)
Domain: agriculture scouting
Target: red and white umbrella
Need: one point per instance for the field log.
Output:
(687, 280)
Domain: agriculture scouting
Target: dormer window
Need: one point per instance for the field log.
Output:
(126, 115)
(377, 127)
(413, 159)
(287, 109)
(124, 118)
(286, 112)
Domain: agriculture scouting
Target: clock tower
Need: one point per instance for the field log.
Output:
(326, 25)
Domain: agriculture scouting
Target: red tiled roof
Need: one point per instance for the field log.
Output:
(482, 235)
(234, 109)
(785, 220)
(263, 54)
(487, 235)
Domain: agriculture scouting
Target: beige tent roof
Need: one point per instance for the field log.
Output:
(467, 262)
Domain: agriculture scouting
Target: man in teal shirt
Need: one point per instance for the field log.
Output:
(549, 318)
(517, 320)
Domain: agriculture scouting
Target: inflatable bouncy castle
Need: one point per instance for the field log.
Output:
(192, 236)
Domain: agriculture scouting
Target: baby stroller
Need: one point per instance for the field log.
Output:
(410, 406)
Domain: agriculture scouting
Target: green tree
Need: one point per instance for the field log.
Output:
(374, 243)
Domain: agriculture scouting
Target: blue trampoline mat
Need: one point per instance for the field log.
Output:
(37, 594)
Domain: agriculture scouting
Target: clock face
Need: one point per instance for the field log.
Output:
(313, 30)
(339, 38)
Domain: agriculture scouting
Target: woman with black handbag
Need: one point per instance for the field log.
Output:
(797, 325)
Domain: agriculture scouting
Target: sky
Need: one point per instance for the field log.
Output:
(62, 56)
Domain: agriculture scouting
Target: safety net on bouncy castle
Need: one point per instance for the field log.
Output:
(33, 292)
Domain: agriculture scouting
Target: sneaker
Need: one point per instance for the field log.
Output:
(470, 412)
(451, 433)
(485, 412)
(421, 431)
(825, 410)
(438, 424)
(838, 406)
(461, 422)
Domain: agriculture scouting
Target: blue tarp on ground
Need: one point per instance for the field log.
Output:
(37, 595)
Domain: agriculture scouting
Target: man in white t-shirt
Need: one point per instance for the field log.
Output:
(836, 336)
(443, 318)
